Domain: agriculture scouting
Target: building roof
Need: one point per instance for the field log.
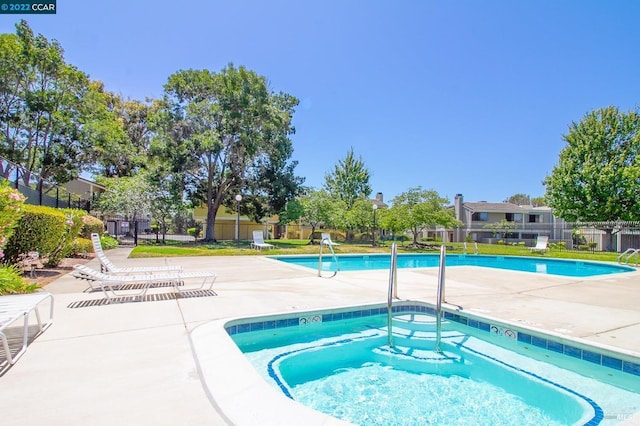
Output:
(502, 207)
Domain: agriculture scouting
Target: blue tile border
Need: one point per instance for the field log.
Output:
(522, 337)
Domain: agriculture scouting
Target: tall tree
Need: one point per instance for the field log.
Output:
(422, 209)
(349, 179)
(597, 177)
(126, 150)
(50, 112)
(229, 134)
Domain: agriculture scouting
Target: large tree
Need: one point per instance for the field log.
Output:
(418, 209)
(597, 177)
(229, 134)
(50, 112)
(349, 179)
(348, 185)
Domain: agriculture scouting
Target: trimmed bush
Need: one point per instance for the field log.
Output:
(82, 246)
(91, 225)
(108, 242)
(40, 229)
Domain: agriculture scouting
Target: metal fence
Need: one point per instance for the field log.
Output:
(39, 191)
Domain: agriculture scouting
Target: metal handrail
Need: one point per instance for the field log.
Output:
(393, 290)
(627, 255)
(440, 298)
(333, 253)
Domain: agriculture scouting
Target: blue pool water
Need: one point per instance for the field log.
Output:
(571, 268)
(338, 362)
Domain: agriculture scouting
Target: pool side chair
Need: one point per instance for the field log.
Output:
(258, 241)
(326, 239)
(110, 284)
(107, 266)
(541, 244)
(18, 307)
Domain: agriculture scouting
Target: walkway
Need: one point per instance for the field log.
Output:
(133, 363)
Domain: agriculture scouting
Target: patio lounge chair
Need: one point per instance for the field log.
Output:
(326, 239)
(109, 284)
(258, 241)
(541, 244)
(16, 307)
(107, 266)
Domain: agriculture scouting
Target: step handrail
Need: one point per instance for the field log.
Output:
(333, 254)
(627, 255)
(393, 291)
(440, 297)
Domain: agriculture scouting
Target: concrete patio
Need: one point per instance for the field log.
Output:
(139, 364)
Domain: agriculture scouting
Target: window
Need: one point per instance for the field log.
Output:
(535, 218)
(480, 216)
(513, 217)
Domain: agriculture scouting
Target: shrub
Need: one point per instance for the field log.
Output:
(12, 281)
(108, 242)
(11, 210)
(39, 229)
(82, 246)
(91, 225)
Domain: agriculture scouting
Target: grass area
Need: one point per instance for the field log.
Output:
(284, 247)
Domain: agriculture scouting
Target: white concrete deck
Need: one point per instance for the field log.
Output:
(140, 363)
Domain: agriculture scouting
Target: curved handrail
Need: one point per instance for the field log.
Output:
(627, 255)
(333, 254)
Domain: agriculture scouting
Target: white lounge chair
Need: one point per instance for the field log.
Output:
(107, 266)
(110, 284)
(258, 241)
(18, 307)
(541, 244)
(326, 239)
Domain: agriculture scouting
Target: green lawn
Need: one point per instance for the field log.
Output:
(283, 247)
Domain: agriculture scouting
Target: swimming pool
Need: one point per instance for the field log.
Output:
(571, 268)
(338, 362)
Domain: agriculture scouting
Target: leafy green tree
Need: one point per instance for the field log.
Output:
(597, 177)
(166, 197)
(422, 209)
(393, 220)
(519, 199)
(127, 196)
(538, 202)
(228, 134)
(348, 184)
(503, 227)
(349, 180)
(318, 208)
(50, 112)
(126, 147)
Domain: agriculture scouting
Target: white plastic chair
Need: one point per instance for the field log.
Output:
(326, 239)
(110, 284)
(15, 307)
(541, 244)
(258, 241)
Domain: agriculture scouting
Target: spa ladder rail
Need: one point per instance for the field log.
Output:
(627, 255)
(440, 297)
(333, 254)
(393, 291)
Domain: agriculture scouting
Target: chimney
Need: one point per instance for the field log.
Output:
(457, 205)
(379, 197)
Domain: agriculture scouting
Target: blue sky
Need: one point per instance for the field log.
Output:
(464, 96)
